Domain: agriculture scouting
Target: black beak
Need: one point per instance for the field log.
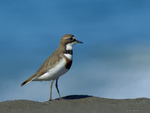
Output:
(79, 41)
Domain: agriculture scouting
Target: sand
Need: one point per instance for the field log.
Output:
(77, 104)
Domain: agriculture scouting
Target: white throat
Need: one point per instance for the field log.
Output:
(69, 46)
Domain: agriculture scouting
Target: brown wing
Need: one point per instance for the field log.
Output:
(48, 64)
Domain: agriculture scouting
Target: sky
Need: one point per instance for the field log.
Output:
(113, 61)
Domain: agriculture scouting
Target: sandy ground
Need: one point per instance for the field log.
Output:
(77, 104)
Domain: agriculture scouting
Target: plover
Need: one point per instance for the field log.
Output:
(57, 64)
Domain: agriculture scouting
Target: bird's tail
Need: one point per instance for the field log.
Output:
(25, 82)
(28, 80)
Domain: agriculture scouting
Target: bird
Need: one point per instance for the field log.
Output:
(57, 64)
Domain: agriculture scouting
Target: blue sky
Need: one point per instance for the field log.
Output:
(113, 62)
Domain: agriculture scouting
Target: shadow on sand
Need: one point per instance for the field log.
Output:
(72, 97)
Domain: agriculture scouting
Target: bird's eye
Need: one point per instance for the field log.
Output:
(71, 38)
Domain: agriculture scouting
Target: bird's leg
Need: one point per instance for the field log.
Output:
(51, 90)
(57, 88)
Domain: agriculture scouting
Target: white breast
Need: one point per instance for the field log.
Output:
(54, 72)
(69, 56)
